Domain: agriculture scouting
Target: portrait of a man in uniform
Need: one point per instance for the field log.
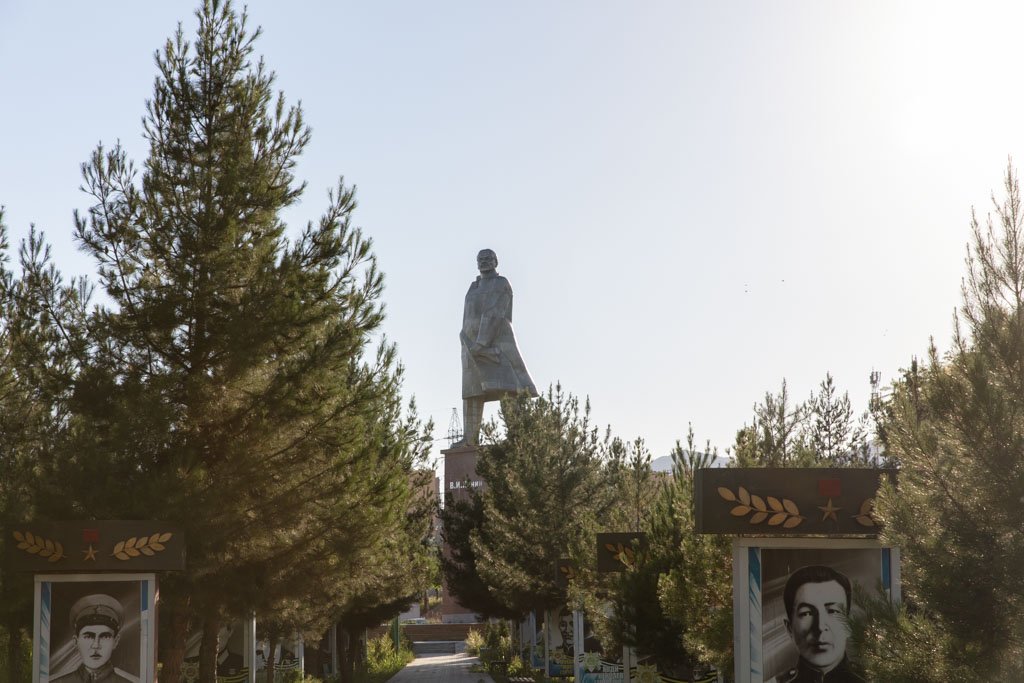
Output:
(565, 631)
(807, 598)
(818, 601)
(559, 637)
(94, 630)
(96, 622)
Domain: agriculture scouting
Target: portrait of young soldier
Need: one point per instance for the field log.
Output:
(565, 631)
(96, 622)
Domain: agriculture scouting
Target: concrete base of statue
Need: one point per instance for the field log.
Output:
(460, 471)
(460, 479)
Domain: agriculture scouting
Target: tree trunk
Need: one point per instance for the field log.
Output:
(345, 669)
(356, 641)
(314, 659)
(271, 660)
(14, 649)
(175, 640)
(208, 650)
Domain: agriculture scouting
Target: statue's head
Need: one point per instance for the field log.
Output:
(486, 260)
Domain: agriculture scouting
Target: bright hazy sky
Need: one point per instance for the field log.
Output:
(692, 200)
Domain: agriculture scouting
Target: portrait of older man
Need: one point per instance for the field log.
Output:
(817, 600)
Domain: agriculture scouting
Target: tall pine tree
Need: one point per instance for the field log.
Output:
(42, 342)
(957, 427)
(230, 384)
(696, 589)
(462, 520)
(545, 493)
(775, 437)
(641, 616)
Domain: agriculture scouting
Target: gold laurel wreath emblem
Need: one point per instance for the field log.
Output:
(568, 571)
(770, 508)
(866, 516)
(621, 553)
(141, 545)
(37, 545)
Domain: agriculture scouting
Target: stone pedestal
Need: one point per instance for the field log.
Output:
(460, 471)
(460, 479)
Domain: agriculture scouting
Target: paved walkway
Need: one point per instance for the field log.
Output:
(441, 669)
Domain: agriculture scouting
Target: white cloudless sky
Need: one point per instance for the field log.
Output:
(692, 200)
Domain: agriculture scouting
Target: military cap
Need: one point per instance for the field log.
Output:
(98, 608)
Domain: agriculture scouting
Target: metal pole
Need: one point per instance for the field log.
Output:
(396, 634)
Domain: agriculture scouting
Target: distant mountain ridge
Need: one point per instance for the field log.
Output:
(664, 463)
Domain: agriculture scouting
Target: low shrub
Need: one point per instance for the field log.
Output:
(517, 667)
(474, 641)
(498, 641)
(294, 676)
(496, 636)
(383, 661)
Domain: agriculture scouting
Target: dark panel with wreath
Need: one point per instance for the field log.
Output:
(565, 571)
(788, 501)
(617, 552)
(95, 546)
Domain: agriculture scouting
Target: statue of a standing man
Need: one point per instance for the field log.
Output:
(491, 364)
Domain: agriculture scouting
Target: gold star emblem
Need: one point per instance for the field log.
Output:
(90, 554)
(830, 511)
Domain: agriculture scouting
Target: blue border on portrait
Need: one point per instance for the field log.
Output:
(45, 598)
(754, 593)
